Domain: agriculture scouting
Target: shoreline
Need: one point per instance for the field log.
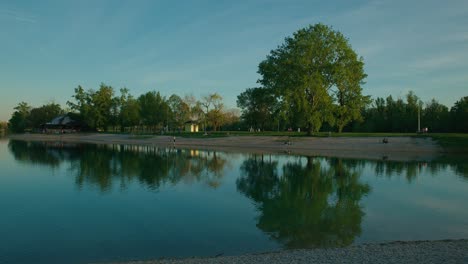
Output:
(398, 148)
(427, 251)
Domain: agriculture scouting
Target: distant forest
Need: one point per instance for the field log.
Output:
(313, 81)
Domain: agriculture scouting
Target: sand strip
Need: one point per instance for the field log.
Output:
(398, 148)
(442, 251)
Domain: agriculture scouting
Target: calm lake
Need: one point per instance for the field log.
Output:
(69, 203)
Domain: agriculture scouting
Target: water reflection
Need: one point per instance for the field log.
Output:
(105, 165)
(300, 201)
(308, 203)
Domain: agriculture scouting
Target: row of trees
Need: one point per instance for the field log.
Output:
(389, 115)
(314, 80)
(103, 109)
(380, 115)
(27, 117)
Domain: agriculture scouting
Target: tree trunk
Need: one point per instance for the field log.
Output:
(309, 129)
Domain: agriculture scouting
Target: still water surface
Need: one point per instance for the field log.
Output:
(95, 203)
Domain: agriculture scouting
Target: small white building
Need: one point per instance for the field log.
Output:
(191, 126)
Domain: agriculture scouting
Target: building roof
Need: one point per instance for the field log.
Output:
(195, 122)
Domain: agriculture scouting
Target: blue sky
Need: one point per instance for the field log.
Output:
(47, 48)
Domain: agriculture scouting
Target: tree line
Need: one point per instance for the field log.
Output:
(379, 115)
(104, 109)
(401, 115)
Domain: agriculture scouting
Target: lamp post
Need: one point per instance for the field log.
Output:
(419, 116)
(419, 119)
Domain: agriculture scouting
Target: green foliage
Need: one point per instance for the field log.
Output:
(391, 115)
(95, 107)
(44, 114)
(103, 110)
(452, 142)
(154, 110)
(212, 108)
(180, 111)
(259, 107)
(129, 114)
(311, 71)
(102, 103)
(19, 121)
(436, 117)
(459, 113)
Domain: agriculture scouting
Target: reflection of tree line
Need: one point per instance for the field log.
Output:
(301, 202)
(51, 153)
(315, 202)
(101, 165)
(411, 170)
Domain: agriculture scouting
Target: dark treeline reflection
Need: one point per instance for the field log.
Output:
(301, 201)
(414, 169)
(105, 165)
(102, 164)
(312, 202)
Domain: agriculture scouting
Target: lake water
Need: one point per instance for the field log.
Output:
(68, 203)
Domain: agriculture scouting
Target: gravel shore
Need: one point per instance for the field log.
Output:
(422, 252)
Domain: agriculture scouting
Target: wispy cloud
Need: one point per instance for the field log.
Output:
(451, 59)
(17, 16)
(458, 37)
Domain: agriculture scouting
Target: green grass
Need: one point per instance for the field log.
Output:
(451, 142)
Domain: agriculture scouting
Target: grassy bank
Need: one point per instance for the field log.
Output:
(452, 142)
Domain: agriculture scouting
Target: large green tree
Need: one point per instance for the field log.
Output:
(154, 110)
(102, 102)
(180, 111)
(212, 106)
(129, 114)
(94, 107)
(311, 71)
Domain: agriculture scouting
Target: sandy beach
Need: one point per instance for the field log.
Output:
(442, 251)
(398, 148)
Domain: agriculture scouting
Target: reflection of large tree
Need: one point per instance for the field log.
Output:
(309, 205)
(103, 166)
